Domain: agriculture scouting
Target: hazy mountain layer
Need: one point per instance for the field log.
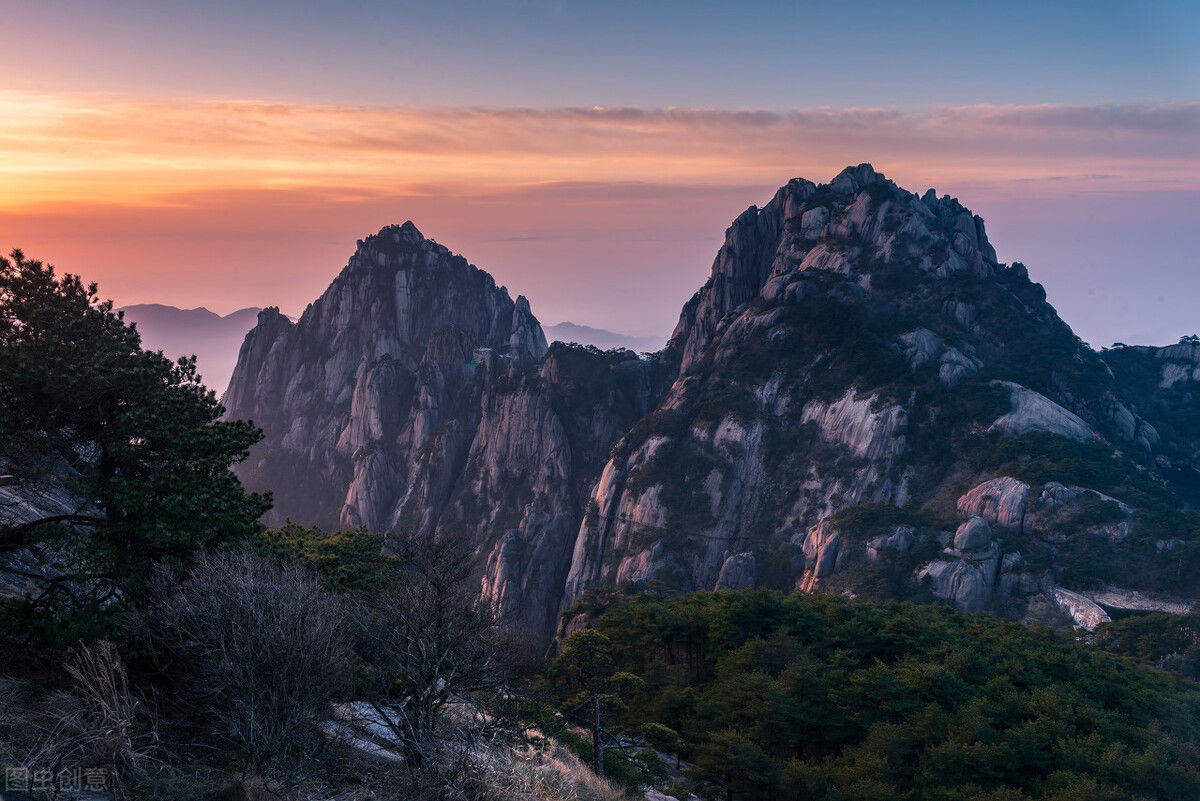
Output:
(214, 340)
(600, 338)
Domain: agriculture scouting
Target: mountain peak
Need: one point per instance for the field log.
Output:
(401, 327)
(406, 231)
(860, 225)
(271, 315)
(855, 344)
(854, 179)
(393, 239)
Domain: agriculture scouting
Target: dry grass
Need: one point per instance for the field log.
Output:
(544, 771)
(99, 723)
(548, 772)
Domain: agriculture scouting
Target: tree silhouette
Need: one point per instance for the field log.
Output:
(116, 458)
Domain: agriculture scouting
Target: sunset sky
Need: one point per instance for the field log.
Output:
(590, 155)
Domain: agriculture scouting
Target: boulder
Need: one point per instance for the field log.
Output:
(973, 535)
(968, 584)
(921, 346)
(1085, 613)
(1055, 495)
(1000, 501)
(954, 366)
(738, 572)
(1033, 411)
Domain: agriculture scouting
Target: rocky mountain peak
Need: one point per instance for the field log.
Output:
(351, 391)
(392, 242)
(858, 347)
(856, 225)
(853, 179)
(407, 231)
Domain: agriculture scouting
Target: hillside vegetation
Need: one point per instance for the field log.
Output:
(823, 697)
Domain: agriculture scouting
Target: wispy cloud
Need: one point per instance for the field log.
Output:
(607, 216)
(55, 148)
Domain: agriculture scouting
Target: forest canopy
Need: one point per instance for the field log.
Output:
(823, 697)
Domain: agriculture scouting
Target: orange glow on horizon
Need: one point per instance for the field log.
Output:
(606, 216)
(88, 149)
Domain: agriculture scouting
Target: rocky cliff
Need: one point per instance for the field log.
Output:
(415, 394)
(859, 347)
(374, 378)
(1165, 384)
(861, 398)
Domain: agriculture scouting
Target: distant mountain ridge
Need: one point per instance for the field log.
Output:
(213, 339)
(603, 339)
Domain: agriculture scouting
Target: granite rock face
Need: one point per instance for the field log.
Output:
(973, 535)
(1085, 613)
(738, 572)
(1032, 411)
(850, 338)
(353, 394)
(798, 393)
(969, 584)
(24, 499)
(1163, 385)
(416, 395)
(1000, 501)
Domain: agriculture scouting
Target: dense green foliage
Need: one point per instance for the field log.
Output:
(1171, 642)
(350, 561)
(127, 445)
(823, 697)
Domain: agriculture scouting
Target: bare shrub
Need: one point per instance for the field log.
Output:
(435, 659)
(254, 652)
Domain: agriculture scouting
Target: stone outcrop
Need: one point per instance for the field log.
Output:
(899, 539)
(1161, 385)
(922, 346)
(24, 499)
(1058, 503)
(967, 582)
(738, 572)
(1086, 614)
(820, 554)
(973, 535)
(852, 422)
(1000, 501)
(1032, 411)
(1134, 601)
